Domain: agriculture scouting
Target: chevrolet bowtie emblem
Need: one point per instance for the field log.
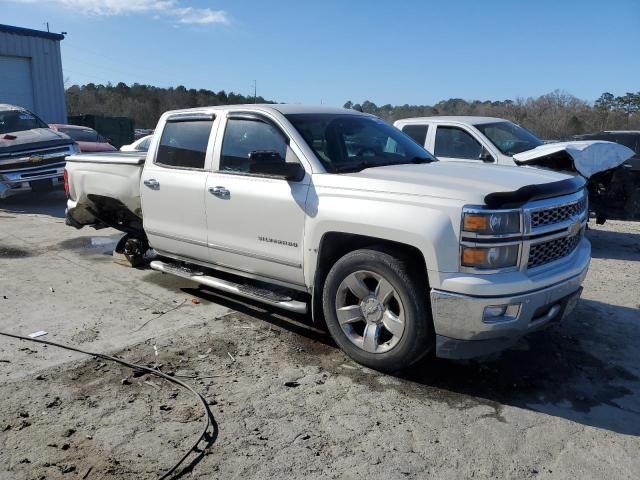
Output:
(36, 158)
(575, 228)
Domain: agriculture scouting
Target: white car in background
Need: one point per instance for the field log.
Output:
(487, 140)
(140, 145)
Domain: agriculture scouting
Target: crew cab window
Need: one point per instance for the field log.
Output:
(184, 144)
(454, 142)
(244, 136)
(417, 132)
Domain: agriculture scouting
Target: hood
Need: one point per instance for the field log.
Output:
(589, 156)
(96, 147)
(463, 181)
(32, 139)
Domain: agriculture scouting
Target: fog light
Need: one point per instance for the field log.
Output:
(494, 311)
(500, 313)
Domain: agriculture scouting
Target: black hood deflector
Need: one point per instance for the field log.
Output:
(529, 193)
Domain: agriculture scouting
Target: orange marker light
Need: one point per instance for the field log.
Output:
(475, 223)
(473, 256)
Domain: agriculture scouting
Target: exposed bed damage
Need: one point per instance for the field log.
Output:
(614, 189)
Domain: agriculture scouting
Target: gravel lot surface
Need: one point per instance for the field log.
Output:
(564, 403)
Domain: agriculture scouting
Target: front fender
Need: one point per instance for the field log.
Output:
(430, 225)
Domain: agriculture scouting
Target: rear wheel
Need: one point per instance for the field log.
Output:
(377, 310)
(133, 249)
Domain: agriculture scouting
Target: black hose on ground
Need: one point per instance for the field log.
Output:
(210, 422)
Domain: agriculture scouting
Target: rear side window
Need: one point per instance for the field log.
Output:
(184, 144)
(417, 132)
(454, 142)
(244, 136)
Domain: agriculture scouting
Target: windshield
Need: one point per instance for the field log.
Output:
(82, 134)
(18, 121)
(350, 143)
(509, 137)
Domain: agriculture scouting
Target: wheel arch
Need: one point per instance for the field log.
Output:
(334, 245)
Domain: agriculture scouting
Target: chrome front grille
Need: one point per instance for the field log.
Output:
(33, 158)
(541, 218)
(549, 251)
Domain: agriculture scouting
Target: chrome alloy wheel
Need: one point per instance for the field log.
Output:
(370, 312)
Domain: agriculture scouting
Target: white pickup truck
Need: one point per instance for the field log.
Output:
(337, 212)
(613, 192)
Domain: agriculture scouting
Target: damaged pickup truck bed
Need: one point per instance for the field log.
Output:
(32, 156)
(614, 188)
(337, 212)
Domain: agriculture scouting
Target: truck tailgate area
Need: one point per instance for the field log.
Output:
(113, 176)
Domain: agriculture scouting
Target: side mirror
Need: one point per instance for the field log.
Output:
(485, 156)
(271, 164)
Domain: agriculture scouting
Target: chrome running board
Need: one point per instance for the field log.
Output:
(247, 291)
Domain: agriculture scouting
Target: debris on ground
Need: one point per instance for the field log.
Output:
(39, 333)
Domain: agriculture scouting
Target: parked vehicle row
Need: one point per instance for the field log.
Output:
(32, 153)
(336, 212)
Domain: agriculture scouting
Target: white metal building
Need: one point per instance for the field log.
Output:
(31, 72)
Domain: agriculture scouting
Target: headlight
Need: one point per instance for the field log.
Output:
(491, 223)
(490, 258)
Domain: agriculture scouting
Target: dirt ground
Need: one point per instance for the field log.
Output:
(564, 403)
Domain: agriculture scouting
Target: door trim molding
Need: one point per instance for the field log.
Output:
(254, 255)
(226, 249)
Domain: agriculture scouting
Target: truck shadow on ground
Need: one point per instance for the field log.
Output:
(51, 203)
(571, 371)
(614, 245)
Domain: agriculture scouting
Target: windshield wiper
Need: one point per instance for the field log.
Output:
(420, 160)
(364, 165)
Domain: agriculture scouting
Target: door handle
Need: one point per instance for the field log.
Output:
(219, 192)
(152, 183)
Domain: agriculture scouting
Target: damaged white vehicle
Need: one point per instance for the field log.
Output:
(338, 213)
(613, 192)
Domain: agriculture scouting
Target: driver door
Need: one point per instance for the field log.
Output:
(255, 223)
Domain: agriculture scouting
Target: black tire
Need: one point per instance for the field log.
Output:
(133, 249)
(417, 339)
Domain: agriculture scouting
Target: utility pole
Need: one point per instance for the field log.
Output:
(255, 90)
(47, 26)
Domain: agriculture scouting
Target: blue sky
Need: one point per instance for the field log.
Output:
(396, 52)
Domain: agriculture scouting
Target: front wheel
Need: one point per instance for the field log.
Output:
(377, 311)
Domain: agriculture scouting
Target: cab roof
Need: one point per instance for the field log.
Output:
(472, 119)
(283, 108)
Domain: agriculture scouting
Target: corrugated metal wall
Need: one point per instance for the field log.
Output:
(46, 69)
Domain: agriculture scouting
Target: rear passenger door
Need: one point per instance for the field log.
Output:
(173, 186)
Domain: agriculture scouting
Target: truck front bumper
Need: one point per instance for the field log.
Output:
(28, 180)
(470, 326)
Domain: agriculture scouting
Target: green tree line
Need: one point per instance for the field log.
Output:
(144, 103)
(557, 115)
